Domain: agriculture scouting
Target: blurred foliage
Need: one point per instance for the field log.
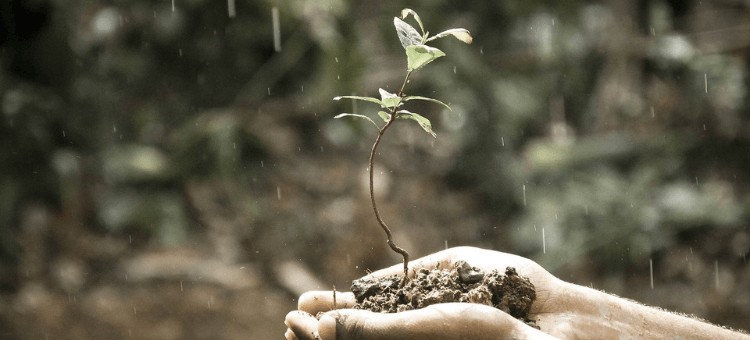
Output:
(593, 137)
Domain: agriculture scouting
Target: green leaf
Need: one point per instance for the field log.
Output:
(405, 13)
(389, 100)
(460, 34)
(407, 34)
(385, 115)
(406, 99)
(368, 99)
(358, 116)
(420, 55)
(423, 122)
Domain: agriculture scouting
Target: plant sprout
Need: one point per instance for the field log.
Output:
(418, 54)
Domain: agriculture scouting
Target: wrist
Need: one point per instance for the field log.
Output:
(585, 313)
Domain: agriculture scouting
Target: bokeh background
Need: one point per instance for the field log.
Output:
(172, 170)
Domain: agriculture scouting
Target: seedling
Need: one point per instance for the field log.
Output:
(418, 54)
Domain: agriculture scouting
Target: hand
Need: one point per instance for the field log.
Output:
(446, 321)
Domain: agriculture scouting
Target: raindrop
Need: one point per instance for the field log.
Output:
(114, 128)
(269, 91)
(63, 133)
(180, 285)
(544, 242)
(276, 29)
(481, 50)
(180, 51)
(337, 59)
(134, 312)
(524, 199)
(130, 237)
(172, 6)
(278, 193)
(446, 244)
(231, 9)
(705, 81)
(234, 146)
(261, 164)
(652, 112)
(303, 88)
(502, 140)
(338, 77)
(651, 271)
(716, 270)
(454, 70)
(704, 127)
(348, 260)
(321, 148)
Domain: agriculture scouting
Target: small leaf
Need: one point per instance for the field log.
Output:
(369, 99)
(420, 55)
(358, 116)
(427, 99)
(385, 115)
(423, 122)
(407, 34)
(460, 34)
(389, 100)
(405, 13)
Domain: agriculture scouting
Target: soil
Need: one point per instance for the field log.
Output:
(508, 292)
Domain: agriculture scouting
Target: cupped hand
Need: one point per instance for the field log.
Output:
(441, 321)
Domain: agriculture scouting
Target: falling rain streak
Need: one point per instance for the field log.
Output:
(278, 192)
(544, 242)
(231, 9)
(524, 196)
(651, 271)
(276, 29)
(716, 270)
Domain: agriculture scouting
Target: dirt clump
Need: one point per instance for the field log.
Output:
(508, 292)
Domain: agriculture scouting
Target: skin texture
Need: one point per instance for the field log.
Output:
(562, 311)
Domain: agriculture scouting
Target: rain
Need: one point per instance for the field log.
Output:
(135, 201)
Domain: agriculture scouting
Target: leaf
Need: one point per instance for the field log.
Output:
(368, 99)
(405, 13)
(460, 34)
(427, 99)
(407, 34)
(389, 100)
(423, 122)
(358, 116)
(385, 115)
(420, 55)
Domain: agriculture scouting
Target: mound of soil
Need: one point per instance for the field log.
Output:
(508, 292)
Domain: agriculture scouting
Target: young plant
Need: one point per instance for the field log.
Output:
(418, 54)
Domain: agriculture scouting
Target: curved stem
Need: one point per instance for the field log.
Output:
(393, 246)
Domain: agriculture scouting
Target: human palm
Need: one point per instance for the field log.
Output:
(450, 320)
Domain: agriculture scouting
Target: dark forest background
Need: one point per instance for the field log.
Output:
(166, 172)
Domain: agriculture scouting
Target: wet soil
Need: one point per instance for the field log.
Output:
(507, 291)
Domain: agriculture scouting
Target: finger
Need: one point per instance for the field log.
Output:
(302, 325)
(289, 335)
(441, 321)
(322, 301)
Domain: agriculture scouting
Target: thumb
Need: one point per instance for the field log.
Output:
(441, 321)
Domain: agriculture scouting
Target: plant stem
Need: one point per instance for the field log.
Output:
(393, 246)
(401, 91)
